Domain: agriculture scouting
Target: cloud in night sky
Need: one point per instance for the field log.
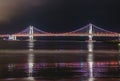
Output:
(11, 8)
(55, 15)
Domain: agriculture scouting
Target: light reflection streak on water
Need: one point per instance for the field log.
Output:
(119, 52)
(10, 67)
(90, 60)
(91, 79)
(30, 60)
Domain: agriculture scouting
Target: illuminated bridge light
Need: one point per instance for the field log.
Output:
(89, 30)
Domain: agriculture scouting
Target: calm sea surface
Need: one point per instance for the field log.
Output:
(59, 61)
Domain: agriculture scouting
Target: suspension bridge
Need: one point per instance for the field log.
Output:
(89, 30)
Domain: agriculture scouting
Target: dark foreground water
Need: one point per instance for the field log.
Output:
(59, 61)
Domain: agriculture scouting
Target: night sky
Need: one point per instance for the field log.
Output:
(58, 15)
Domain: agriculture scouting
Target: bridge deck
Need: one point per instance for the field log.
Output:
(63, 34)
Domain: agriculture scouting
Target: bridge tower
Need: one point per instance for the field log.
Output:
(31, 32)
(90, 36)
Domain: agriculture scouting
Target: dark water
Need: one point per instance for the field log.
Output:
(59, 61)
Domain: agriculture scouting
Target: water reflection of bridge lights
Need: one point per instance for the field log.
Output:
(91, 79)
(30, 64)
(10, 67)
(30, 60)
(31, 45)
(90, 59)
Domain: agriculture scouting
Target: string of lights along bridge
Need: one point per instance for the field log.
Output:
(89, 30)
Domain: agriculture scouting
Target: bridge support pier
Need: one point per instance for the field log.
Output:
(31, 36)
(90, 36)
(12, 37)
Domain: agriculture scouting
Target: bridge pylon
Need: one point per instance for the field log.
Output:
(90, 36)
(31, 33)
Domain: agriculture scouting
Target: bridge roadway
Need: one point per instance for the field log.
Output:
(64, 34)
